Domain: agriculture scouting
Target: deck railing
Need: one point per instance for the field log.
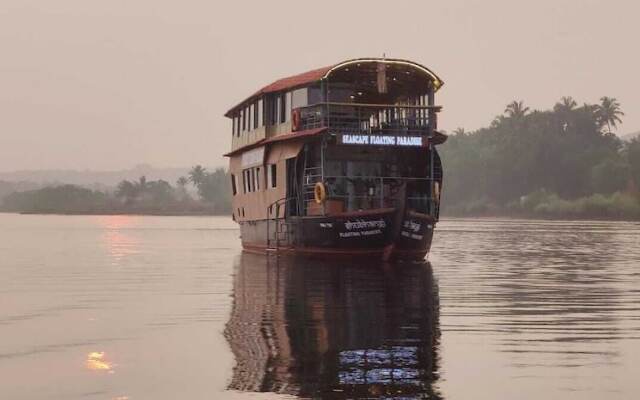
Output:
(369, 118)
(371, 192)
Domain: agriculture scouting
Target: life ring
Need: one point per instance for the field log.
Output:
(295, 120)
(319, 193)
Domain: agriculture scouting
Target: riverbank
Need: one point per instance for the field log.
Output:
(119, 212)
(545, 205)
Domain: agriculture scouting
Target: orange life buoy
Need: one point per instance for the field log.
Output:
(295, 120)
(319, 193)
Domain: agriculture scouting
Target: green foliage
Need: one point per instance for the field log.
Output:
(633, 157)
(56, 199)
(141, 196)
(213, 188)
(565, 153)
(614, 206)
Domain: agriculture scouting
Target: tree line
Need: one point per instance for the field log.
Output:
(212, 196)
(561, 162)
(564, 162)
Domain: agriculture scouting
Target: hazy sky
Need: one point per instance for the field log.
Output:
(109, 84)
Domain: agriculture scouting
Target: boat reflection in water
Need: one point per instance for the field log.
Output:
(314, 329)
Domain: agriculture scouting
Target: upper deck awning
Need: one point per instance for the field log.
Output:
(349, 69)
(278, 138)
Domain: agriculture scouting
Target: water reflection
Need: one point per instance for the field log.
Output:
(118, 242)
(96, 361)
(334, 331)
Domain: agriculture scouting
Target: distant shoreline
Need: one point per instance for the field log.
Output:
(115, 212)
(443, 216)
(530, 217)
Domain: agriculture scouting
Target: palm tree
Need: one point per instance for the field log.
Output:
(142, 184)
(197, 175)
(608, 112)
(182, 187)
(516, 109)
(459, 131)
(182, 182)
(565, 105)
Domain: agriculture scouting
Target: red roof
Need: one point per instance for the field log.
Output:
(289, 82)
(296, 80)
(278, 138)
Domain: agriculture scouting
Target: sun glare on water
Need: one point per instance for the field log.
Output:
(96, 362)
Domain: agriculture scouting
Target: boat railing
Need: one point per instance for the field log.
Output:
(281, 229)
(361, 118)
(345, 193)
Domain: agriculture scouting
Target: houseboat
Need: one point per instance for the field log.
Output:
(339, 161)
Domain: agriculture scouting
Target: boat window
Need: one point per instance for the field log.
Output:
(260, 112)
(257, 173)
(249, 111)
(288, 102)
(299, 98)
(271, 175)
(236, 127)
(233, 184)
(272, 110)
(244, 181)
(233, 126)
(255, 115)
(283, 107)
(244, 120)
(278, 111)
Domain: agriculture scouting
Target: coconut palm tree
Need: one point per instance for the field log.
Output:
(459, 131)
(516, 109)
(565, 105)
(197, 175)
(608, 112)
(142, 184)
(182, 183)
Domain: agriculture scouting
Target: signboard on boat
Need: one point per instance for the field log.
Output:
(253, 157)
(382, 140)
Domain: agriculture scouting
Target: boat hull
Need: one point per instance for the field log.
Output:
(378, 234)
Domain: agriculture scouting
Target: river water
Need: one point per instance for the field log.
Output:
(129, 307)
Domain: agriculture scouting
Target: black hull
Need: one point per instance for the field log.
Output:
(382, 234)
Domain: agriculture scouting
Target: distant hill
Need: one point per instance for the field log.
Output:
(7, 188)
(98, 180)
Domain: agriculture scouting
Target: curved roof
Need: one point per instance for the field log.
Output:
(316, 75)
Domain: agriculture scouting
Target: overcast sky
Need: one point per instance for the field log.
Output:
(113, 83)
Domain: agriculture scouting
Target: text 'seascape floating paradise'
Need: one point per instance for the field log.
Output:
(340, 160)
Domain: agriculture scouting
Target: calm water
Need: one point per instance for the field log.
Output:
(122, 307)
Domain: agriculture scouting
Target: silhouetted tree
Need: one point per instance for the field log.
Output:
(127, 191)
(459, 131)
(516, 110)
(565, 105)
(197, 175)
(609, 112)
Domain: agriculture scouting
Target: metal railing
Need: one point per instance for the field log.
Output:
(273, 213)
(371, 192)
(368, 118)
